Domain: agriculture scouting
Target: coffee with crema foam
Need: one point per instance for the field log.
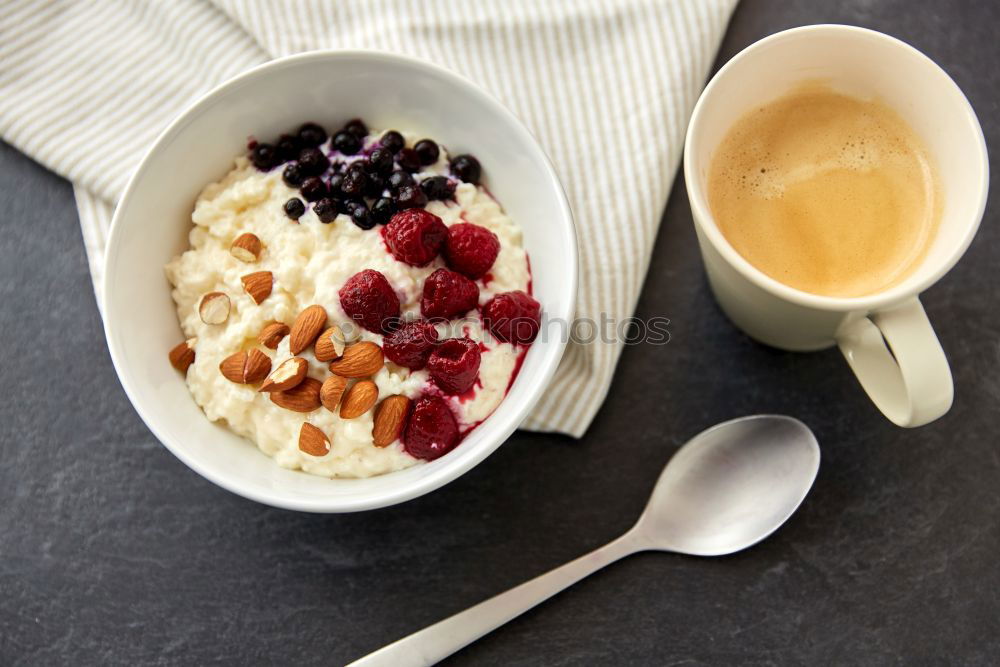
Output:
(826, 193)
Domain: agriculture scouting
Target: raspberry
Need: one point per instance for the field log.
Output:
(448, 294)
(513, 317)
(411, 344)
(368, 299)
(471, 249)
(415, 236)
(454, 365)
(431, 430)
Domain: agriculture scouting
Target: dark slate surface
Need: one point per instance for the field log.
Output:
(111, 551)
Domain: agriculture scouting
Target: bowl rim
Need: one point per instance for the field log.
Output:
(529, 393)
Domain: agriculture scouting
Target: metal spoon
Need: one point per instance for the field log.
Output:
(725, 490)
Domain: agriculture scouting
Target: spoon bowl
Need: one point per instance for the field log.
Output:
(731, 486)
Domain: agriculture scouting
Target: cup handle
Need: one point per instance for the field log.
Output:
(896, 356)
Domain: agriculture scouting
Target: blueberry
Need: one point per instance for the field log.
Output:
(466, 168)
(313, 162)
(346, 143)
(410, 196)
(326, 210)
(314, 189)
(374, 185)
(263, 156)
(354, 183)
(392, 140)
(335, 182)
(361, 217)
(438, 187)
(408, 159)
(294, 208)
(380, 161)
(358, 165)
(288, 148)
(312, 134)
(292, 175)
(357, 128)
(382, 210)
(398, 179)
(427, 151)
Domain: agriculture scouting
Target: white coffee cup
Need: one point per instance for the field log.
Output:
(885, 337)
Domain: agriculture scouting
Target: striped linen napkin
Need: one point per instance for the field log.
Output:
(606, 86)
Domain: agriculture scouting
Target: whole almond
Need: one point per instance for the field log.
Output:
(258, 285)
(359, 360)
(232, 367)
(304, 397)
(330, 344)
(313, 441)
(246, 367)
(246, 248)
(359, 399)
(389, 419)
(257, 368)
(214, 308)
(332, 391)
(272, 334)
(288, 374)
(306, 327)
(182, 356)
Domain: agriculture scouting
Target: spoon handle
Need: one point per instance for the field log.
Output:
(440, 640)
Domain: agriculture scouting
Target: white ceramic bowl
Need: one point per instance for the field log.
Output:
(152, 222)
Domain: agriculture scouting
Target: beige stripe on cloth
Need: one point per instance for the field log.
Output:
(605, 85)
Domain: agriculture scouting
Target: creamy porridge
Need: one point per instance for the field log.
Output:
(352, 304)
